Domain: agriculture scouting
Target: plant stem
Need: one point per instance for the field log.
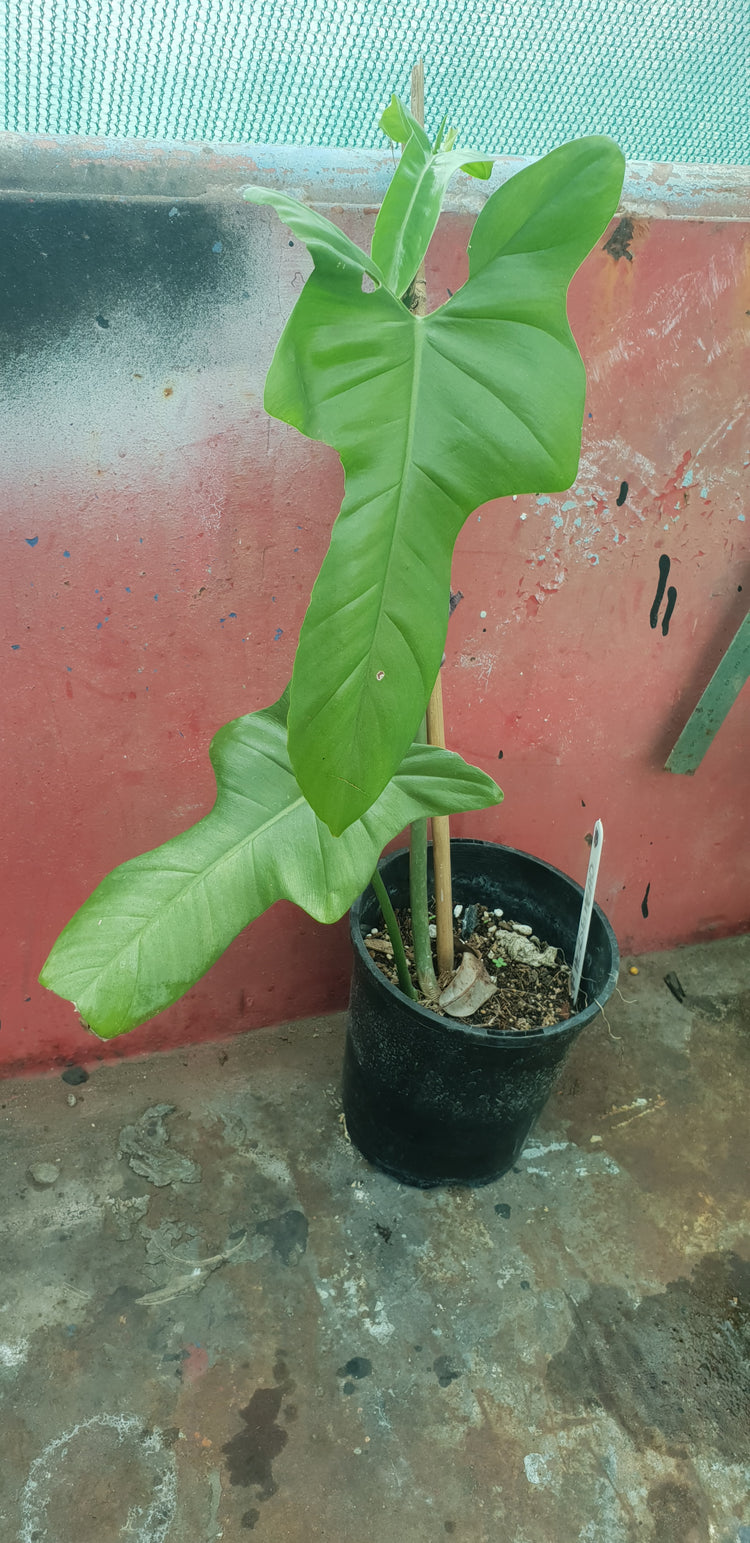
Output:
(397, 944)
(420, 911)
(420, 919)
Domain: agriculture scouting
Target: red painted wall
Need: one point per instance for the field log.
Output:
(160, 536)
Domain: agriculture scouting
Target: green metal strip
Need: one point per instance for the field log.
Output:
(722, 690)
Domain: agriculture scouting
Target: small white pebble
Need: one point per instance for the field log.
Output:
(457, 909)
(594, 1139)
(72, 1100)
(497, 913)
(482, 614)
(432, 930)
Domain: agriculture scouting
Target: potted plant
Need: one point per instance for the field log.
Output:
(432, 415)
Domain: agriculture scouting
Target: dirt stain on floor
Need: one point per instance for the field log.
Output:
(251, 1453)
(288, 1235)
(673, 1370)
(679, 1513)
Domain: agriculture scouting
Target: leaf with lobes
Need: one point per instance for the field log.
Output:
(154, 925)
(431, 416)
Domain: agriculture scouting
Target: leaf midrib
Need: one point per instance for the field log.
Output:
(419, 345)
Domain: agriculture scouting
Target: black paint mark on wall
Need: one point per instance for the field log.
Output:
(664, 567)
(667, 617)
(622, 495)
(73, 260)
(618, 244)
(644, 902)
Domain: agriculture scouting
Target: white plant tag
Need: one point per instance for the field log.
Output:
(586, 909)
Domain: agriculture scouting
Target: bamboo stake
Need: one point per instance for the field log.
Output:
(441, 844)
(441, 838)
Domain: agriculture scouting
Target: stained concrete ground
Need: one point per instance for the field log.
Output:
(219, 1320)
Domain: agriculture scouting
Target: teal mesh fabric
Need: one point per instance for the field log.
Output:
(669, 79)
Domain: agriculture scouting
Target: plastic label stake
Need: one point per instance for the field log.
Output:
(586, 909)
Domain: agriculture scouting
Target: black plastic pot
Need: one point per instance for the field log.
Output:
(429, 1099)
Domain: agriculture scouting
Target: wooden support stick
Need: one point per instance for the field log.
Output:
(417, 296)
(441, 835)
(417, 92)
(441, 845)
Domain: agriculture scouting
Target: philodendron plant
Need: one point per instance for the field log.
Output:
(431, 415)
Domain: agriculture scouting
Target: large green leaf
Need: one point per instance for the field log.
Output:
(431, 416)
(409, 212)
(157, 923)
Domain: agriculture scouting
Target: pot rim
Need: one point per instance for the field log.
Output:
(504, 1037)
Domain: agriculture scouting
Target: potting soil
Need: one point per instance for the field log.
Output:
(526, 996)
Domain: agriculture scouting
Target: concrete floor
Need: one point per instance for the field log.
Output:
(219, 1320)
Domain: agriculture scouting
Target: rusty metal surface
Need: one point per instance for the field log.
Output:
(159, 536)
(237, 1327)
